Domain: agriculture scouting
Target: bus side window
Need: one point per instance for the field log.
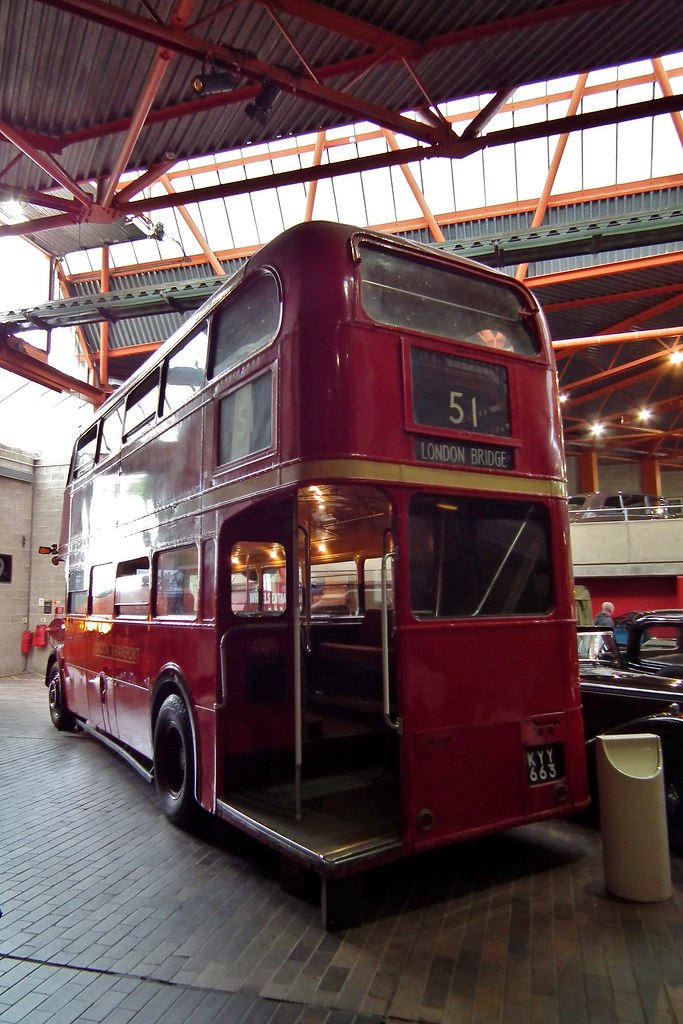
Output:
(102, 589)
(111, 433)
(245, 425)
(176, 580)
(86, 447)
(184, 371)
(141, 407)
(208, 583)
(77, 593)
(246, 323)
(258, 579)
(132, 587)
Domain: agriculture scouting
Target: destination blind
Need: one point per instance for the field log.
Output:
(458, 395)
(463, 453)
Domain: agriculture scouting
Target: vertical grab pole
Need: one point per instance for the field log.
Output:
(296, 617)
(398, 724)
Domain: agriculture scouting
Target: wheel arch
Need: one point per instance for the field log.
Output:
(53, 659)
(172, 681)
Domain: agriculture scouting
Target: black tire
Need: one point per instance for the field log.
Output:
(62, 718)
(174, 772)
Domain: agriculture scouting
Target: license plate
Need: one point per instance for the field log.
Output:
(544, 764)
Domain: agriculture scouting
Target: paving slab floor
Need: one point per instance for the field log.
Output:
(109, 913)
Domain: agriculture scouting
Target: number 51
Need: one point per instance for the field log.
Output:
(459, 411)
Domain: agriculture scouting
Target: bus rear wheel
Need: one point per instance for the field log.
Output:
(62, 718)
(174, 762)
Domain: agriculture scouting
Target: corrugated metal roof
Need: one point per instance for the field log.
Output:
(64, 74)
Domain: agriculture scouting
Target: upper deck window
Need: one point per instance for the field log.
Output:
(246, 323)
(450, 302)
(245, 424)
(185, 371)
(84, 456)
(110, 435)
(141, 407)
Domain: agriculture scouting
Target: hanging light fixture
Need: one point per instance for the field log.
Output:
(260, 109)
(210, 83)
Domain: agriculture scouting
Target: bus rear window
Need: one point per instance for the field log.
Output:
(422, 295)
(478, 556)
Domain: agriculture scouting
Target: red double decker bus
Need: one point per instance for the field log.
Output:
(318, 579)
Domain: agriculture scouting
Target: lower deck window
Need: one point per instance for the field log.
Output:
(77, 593)
(177, 581)
(132, 587)
(479, 556)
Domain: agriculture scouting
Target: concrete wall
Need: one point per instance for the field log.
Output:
(650, 547)
(16, 501)
(47, 586)
(30, 515)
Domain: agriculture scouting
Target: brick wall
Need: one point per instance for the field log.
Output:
(30, 515)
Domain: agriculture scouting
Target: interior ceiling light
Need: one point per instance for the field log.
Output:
(260, 109)
(597, 429)
(676, 356)
(644, 414)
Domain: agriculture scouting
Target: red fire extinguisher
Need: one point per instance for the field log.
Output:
(40, 635)
(26, 641)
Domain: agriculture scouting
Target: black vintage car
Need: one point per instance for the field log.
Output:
(620, 698)
(652, 642)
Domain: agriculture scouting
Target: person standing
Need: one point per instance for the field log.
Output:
(604, 617)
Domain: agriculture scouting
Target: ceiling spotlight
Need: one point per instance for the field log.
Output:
(644, 414)
(260, 109)
(210, 83)
(597, 429)
(676, 356)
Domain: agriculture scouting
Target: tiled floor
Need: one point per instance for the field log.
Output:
(111, 914)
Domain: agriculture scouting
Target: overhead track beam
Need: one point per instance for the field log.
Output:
(542, 243)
